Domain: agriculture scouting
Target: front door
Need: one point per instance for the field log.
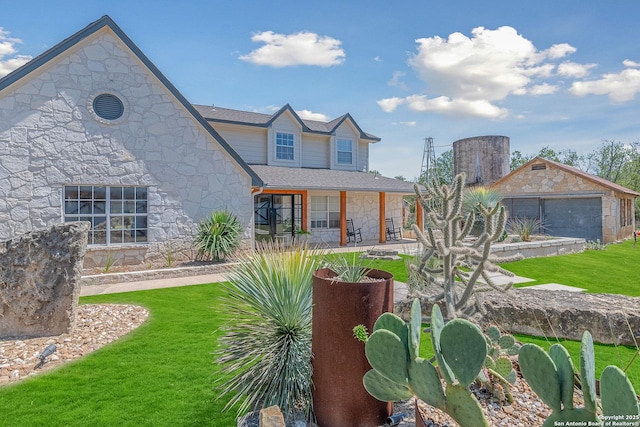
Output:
(277, 216)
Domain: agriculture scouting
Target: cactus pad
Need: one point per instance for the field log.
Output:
(564, 367)
(463, 407)
(425, 382)
(588, 372)
(437, 324)
(383, 389)
(617, 394)
(541, 375)
(388, 355)
(464, 349)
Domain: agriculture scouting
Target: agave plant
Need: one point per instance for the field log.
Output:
(218, 236)
(266, 349)
(525, 227)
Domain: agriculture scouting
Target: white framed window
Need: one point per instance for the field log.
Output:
(118, 215)
(325, 212)
(284, 146)
(344, 148)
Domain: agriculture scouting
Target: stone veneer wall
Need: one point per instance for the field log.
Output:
(50, 138)
(553, 181)
(364, 209)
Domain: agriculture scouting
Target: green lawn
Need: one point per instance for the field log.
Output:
(162, 374)
(615, 270)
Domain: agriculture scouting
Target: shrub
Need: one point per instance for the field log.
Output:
(525, 227)
(267, 344)
(594, 246)
(218, 236)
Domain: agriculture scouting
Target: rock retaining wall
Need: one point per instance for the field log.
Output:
(40, 280)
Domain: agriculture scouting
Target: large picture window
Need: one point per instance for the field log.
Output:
(118, 215)
(345, 151)
(284, 146)
(325, 212)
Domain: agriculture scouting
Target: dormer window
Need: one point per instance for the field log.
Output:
(344, 152)
(284, 146)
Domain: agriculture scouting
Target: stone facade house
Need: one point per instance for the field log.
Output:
(568, 201)
(91, 130)
(315, 175)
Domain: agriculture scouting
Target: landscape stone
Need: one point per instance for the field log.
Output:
(551, 313)
(40, 280)
(271, 417)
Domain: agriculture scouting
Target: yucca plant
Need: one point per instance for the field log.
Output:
(474, 197)
(267, 345)
(218, 236)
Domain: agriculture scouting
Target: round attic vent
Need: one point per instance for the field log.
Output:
(108, 106)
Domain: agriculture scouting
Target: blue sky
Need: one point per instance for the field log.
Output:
(564, 74)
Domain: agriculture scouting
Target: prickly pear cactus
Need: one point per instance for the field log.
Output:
(498, 373)
(399, 372)
(551, 377)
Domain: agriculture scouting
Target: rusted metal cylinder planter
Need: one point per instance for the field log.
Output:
(339, 361)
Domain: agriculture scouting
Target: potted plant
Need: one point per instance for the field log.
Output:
(346, 293)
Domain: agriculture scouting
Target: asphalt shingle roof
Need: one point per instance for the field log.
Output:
(227, 115)
(276, 177)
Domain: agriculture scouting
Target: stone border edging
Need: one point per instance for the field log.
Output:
(161, 273)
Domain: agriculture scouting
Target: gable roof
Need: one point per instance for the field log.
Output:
(91, 29)
(278, 177)
(574, 171)
(247, 118)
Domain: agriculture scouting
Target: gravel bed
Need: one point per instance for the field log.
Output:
(96, 325)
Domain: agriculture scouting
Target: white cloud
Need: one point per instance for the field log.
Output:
(630, 63)
(411, 123)
(377, 59)
(467, 75)
(572, 69)
(620, 87)
(455, 107)
(310, 115)
(7, 48)
(390, 104)
(559, 50)
(543, 89)
(304, 48)
(396, 80)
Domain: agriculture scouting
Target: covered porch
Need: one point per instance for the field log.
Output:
(328, 206)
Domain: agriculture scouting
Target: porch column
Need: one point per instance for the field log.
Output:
(419, 216)
(343, 218)
(382, 216)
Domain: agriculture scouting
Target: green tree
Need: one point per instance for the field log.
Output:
(608, 160)
(518, 159)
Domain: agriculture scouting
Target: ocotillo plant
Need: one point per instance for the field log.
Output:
(462, 262)
(551, 376)
(399, 372)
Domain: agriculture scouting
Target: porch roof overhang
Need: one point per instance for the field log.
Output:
(283, 178)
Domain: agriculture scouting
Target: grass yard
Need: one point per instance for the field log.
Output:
(615, 270)
(163, 374)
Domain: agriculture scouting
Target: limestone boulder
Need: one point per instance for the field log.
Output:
(611, 319)
(40, 280)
